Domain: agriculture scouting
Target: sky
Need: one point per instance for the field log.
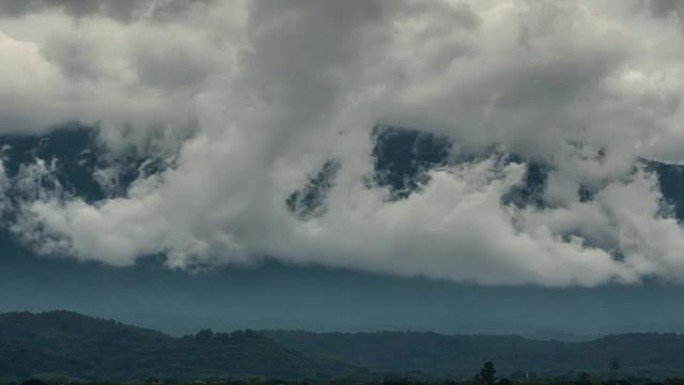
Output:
(234, 134)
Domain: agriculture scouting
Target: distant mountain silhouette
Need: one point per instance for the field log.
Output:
(649, 355)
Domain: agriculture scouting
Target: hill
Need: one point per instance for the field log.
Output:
(649, 355)
(69, 344)
(74, 345)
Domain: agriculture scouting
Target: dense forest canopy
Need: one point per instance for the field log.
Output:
(61, 343)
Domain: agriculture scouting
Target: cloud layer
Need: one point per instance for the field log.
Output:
(248, 102)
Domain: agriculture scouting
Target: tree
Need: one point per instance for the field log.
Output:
(584, 378)
(614, 368)
(34, 381)
(488, 373)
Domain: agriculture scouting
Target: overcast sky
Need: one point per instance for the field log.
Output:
(245, 100)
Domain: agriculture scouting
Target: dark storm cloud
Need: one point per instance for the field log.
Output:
(252, 102)
(663, 8)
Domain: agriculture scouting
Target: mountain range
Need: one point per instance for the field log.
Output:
(61, 343)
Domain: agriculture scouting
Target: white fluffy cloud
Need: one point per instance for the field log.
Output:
(255, 96)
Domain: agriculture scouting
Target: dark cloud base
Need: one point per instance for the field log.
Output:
(278, 296)
(402, 160)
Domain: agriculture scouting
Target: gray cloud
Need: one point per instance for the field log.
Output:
(123, 10)
(664, 8)
(253, 99)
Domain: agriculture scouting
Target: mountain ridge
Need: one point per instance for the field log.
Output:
(70, 344)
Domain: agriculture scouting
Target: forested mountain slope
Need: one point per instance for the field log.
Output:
(66, 343)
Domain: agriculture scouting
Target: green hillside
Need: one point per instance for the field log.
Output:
(70, 344)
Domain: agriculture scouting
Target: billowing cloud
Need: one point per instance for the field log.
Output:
(267, 116)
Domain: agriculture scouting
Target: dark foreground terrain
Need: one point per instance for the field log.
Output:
(62, 344)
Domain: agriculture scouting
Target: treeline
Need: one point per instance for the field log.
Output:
(486, 376)
(641, 355)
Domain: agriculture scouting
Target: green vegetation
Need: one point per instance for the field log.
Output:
(64, 348)
(487, 375)
(64, 343)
